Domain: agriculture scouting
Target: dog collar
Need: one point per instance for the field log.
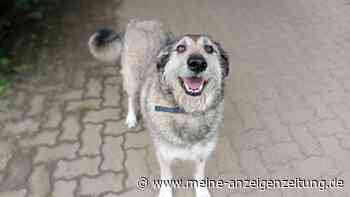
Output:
(159, 108)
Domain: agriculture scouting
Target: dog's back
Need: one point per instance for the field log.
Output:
(137, 48)
(142, 42)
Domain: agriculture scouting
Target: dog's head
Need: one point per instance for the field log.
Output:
(194, 68)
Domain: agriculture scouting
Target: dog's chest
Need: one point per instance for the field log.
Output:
(184, 128)
(193, 127)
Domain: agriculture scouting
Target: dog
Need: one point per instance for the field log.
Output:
(176, 83)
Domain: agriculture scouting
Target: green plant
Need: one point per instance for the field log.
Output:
(25, 4)
(4, 84)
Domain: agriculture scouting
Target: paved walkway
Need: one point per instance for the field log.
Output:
(287, 104)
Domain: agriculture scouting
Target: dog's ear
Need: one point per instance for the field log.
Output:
(163, 58)
(224, 60)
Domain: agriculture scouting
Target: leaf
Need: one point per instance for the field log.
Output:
(5, 61)
(3, 86)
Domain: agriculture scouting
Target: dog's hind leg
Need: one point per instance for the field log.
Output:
(165, 174)
(131, 119)
(199, 175)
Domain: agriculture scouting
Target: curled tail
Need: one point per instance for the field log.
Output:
(105, 45)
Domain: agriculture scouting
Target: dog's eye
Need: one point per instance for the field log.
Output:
(209, 49)
(181, 48)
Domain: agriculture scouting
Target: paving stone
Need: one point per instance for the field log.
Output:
(322, 110)
(18, 170)
(137, 140)
(315, 167)
(78, 78)
(333, 150)
(109, 70)
(327, 127)
(70, 128)
(28, 126)
(344, 140)
(226, 159)
(341, 73)
(145, 193)
(64, 150)
(267, 106)
(309, 145)
(6, 152)
(84, 105)
(81, 166)
(20, 99)
(94, 88)
(113, 154)
(281, 171)
(251, 163)
(346, 84)
(53, 117)
(91, 138)
(115, 128)
(252, 139)
(111, 96)
(333, 97)
(37, 105)
(281, 153)
(39, 182)
(103, 115)
(291, 102)
(136, 166)
(17, 193)
(64, 188)
(229, 130)
(113, 80)
(103, 183)
(343, 112)
(249, 116)
(75, 94)
(279, 132)
(293, 193)
(297, 116)
(316, 192)
(289, 85)
(43, 138)
(11, 114)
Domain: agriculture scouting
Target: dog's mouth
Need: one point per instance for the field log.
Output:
(193, 86)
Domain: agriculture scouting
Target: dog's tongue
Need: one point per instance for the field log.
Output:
(193, 82)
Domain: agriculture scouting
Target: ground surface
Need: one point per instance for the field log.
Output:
(287, 102)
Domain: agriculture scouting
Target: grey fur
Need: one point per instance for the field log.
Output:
(152, 69)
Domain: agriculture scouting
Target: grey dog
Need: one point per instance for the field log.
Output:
(177, 84)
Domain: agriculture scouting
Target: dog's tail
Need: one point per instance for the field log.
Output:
(106, 45)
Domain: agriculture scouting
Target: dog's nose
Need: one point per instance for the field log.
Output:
(196, 63)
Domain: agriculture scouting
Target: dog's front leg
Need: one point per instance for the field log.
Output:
(165, 174)
(199, 175)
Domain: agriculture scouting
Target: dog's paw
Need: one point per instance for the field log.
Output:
(202, 192)
(165, 192)
(131, 120)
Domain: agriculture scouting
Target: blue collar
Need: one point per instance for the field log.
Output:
(159, 108)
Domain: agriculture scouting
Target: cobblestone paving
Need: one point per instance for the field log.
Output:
(287, 104)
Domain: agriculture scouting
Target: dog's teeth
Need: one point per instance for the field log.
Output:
(187, 87)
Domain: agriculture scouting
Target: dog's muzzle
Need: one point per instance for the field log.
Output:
(196, 63)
